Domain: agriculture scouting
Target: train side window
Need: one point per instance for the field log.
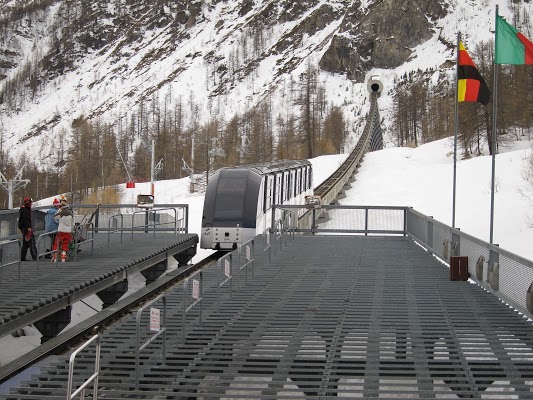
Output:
(310, 178)
(298, 181)
(277, 192)
(285, 186)
(291, 188)
(261, 205)
(269, 191)
(304, 179)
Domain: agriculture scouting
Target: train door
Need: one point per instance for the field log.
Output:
(278, 191)
(269, 192)
(261, 207)
(298, 184)
(269, 200)
(304, 180)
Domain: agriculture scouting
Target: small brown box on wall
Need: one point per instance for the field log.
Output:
(459, 268)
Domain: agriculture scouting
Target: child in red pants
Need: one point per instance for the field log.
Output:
(65, 216)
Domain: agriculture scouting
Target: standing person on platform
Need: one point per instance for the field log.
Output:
(25, 226)
(64, 235)
(50, 222)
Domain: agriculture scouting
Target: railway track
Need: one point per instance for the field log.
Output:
(330, 188)
(104, 319)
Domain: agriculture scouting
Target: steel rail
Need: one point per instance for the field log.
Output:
(349, 165)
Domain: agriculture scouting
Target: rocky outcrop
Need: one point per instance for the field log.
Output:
(380, 37)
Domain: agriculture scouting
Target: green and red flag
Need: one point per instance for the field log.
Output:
(470, 84)
(511, 46)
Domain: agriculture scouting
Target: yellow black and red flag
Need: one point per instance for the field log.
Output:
(470, 84)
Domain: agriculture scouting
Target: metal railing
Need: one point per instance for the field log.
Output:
(4, 254)
(196, 294)
(505, 274)
(117, 230)
(93, 378)
(80, 237)
(10, 231)
(267, 245)
(248, 253)
(152, 215)
(224, 276)
(40, 239)
(155, 325)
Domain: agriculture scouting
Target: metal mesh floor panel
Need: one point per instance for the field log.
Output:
(331, 316)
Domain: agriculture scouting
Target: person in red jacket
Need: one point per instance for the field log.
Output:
(25, 226)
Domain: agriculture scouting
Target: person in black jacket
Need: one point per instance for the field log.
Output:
(25, 226)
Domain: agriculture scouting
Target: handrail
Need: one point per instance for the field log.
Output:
(249, 251)
(38, 246)
(224, 267)
(3, 257)
(196, 294)
(93, 377)
(10, 231)
(109, 232)
(85, 241)
(160, 332)
(147, 225)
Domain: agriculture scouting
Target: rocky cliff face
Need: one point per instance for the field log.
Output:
(381, 36)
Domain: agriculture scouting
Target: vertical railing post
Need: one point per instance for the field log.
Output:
(366, 221)
(186, 308)
(429, 233)
(456, 243)
(97, 219)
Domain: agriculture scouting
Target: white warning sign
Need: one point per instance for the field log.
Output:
(227, 268)
(155, 319)
(195, 289)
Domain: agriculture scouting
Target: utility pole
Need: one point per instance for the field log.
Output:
(190, 169)
(13, 185)
(152, 168)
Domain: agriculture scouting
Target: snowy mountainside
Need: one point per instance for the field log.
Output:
(108, 60)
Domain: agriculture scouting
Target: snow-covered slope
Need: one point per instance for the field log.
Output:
(217, 58)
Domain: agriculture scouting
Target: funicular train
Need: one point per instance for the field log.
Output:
(238, 200)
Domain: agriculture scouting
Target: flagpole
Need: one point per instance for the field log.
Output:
(494, 115)
(455, 129)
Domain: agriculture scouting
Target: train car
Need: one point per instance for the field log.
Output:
(238, 200)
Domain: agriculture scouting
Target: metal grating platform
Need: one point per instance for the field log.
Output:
(50, 287)
(332, 316)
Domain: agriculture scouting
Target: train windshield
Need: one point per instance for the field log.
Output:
(230, 197)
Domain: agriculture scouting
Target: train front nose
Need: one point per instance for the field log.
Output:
(226, 238)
